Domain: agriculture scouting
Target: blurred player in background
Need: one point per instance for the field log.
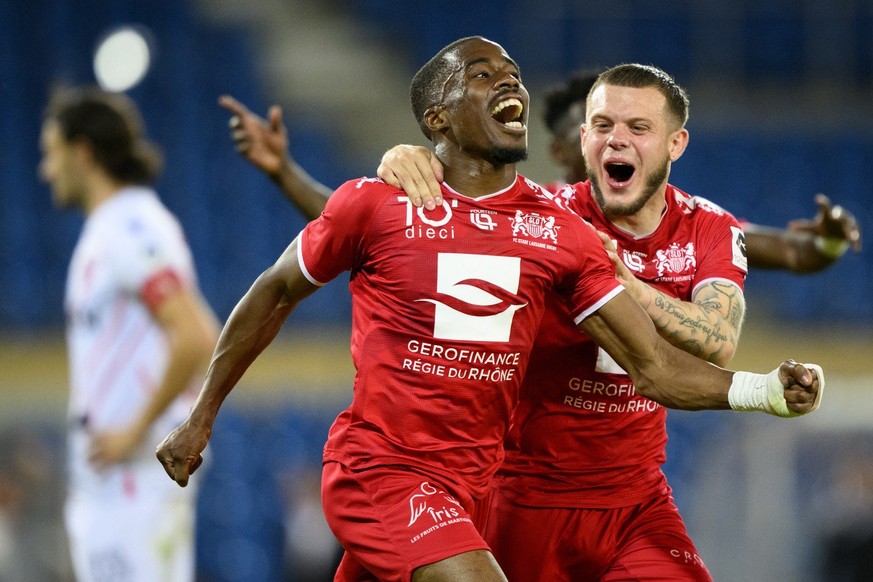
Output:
(139, 334)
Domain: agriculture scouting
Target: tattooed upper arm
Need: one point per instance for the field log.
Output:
(724, 299)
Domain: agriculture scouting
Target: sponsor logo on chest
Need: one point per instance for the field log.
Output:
(431, 225)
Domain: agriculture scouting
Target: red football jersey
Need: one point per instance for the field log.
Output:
(582, 436)
(445, 308)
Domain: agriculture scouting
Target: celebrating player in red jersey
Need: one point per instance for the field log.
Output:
(805, 246)
(445, 309)
(590, 502)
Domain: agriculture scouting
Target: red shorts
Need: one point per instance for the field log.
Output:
(645, 542)
(391, 521)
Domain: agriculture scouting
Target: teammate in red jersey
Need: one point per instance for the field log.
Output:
(445, 308)
(805, 246)
(590, 502)
(709, 233)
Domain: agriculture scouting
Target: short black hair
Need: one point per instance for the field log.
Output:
(642, 76)
(112, 125)
(427, 85)
(561, 97)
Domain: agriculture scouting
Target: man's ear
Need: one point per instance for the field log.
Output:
(84, 151)
(435, 118)
(678, 143)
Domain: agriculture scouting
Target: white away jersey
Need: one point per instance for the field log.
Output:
(130, 245)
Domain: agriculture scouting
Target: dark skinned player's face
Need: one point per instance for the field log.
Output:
(486, 103)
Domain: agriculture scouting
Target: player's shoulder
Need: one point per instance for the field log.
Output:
(361, 199)
(132, 212)
(558, 199)
(697, 206)
(141, 220)
(362, 195)
(364, 183)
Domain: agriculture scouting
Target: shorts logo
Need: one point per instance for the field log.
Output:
(476, 297)
(535, 226)
(432, 501)
(675, 259)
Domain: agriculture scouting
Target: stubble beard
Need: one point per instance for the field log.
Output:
(654, 181)
(500, 156)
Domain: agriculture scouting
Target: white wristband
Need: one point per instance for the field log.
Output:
(754, 392)
(765, 392)
(830, 247)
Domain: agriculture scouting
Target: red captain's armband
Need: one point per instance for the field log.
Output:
(159, 286)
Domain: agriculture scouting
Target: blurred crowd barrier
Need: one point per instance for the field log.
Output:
(765, 499)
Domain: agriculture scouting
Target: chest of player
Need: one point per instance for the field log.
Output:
(531, 239)
(93, 290)
(671, 265)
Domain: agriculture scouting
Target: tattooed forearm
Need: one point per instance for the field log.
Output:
(699, 325)
(707, 328)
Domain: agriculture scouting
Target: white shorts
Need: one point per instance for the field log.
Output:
(120, 540)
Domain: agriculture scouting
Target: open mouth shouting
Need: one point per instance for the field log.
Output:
(618, 173)
(509, 112)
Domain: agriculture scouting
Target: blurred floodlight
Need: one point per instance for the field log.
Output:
(122, 59)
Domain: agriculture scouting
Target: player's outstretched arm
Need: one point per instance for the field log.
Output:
(251, 327)
(807, 245)
(676, 379)
(415, 170)
(264, 143)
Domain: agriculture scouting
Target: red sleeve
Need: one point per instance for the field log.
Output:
(331, 243)
(724, 246)
(595, 282)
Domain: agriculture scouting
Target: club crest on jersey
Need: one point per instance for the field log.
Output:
(534, 228)
(675, 259)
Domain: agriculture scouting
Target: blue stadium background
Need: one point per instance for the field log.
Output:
(237, 224)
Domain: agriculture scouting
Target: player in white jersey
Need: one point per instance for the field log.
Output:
(138, 334)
